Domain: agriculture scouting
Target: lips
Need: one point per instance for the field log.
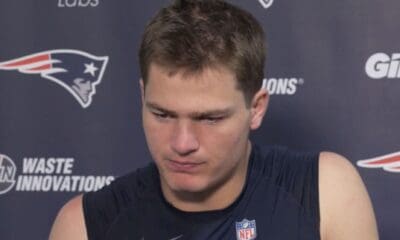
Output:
(183, 166)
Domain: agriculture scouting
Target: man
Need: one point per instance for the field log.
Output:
(202, 68)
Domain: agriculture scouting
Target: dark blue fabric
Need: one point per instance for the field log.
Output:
(280, 194)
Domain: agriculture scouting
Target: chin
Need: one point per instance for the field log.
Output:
(186, 184)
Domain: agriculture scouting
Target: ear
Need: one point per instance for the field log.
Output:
(258, 108)
(141, 89)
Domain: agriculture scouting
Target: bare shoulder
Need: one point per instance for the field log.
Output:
(70, 223)
(345, 207)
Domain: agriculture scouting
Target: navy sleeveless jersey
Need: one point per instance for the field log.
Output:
(278, 201)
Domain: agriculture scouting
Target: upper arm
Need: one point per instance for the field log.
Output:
(70, 223)
(345, 208)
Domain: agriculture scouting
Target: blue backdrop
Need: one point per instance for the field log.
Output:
(70, 101)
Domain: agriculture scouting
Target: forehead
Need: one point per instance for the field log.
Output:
(208, 78)
(212, 72)
(213, 85)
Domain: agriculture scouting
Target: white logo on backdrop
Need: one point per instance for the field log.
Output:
(381, 65)
(282, 86)
(78, 3)
(76, 71)
(53, 174)
(388, 162)
(266, 3)
(7, 173)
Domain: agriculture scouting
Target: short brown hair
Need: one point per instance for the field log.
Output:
(194, 34)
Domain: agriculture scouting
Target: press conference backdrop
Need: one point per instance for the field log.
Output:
(70, 108)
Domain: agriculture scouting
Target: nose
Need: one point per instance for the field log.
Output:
(184, 140)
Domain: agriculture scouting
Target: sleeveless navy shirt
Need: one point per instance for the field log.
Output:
(278, 201)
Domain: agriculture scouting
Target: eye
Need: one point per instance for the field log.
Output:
(161, 115)
(211, 119)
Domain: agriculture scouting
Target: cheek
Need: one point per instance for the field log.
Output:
(231, 132)
(155, 135)
(226, 143)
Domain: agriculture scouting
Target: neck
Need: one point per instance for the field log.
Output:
(218, 197)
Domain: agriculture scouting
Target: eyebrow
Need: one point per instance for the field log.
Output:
(214, 112)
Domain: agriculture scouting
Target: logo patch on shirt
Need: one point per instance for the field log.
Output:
(246, 230)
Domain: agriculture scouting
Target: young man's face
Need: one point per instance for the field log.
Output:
(196, 126)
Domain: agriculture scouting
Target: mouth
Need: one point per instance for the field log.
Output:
(183, 166)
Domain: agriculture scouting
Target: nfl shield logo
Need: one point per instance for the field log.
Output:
(246, 230)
